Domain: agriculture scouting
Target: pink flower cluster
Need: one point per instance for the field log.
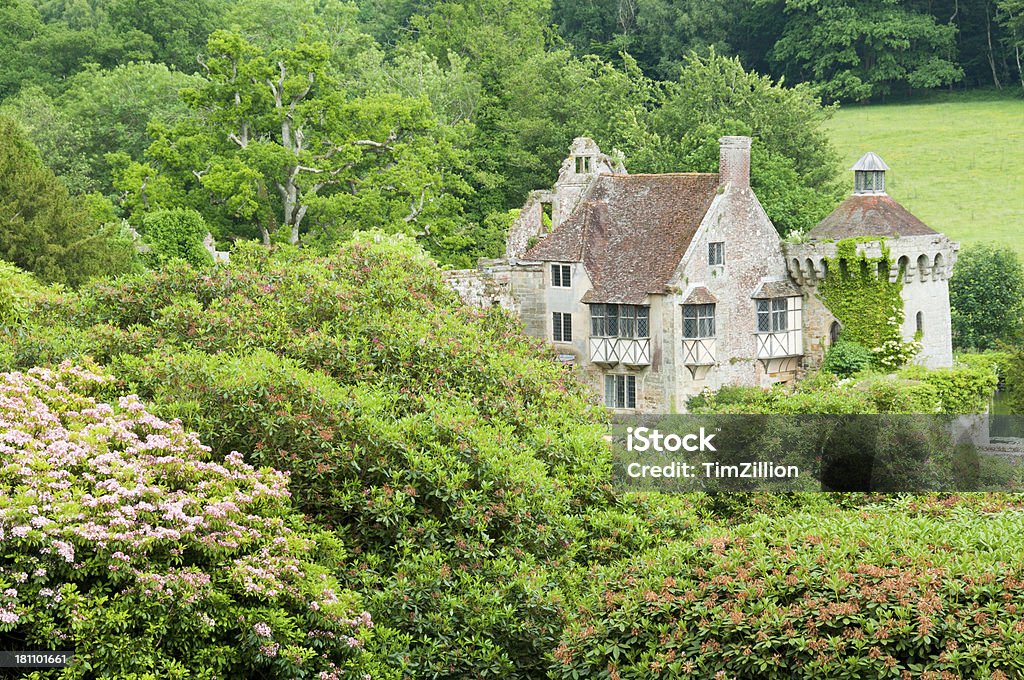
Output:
(85, 479)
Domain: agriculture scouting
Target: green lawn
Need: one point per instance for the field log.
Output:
(956, 162)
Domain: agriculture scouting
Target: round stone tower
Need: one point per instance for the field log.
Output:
(921, 255)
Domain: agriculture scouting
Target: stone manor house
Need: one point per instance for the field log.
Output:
(657, 286)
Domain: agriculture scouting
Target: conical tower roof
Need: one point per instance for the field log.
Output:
(870, 161)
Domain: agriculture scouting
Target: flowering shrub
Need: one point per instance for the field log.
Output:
(453, 456)
(892, 352)
(880, 593)
(120, 539)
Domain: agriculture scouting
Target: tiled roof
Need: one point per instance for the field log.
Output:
(869, 215)
(776, 289)
(631, 232)
(700, 296)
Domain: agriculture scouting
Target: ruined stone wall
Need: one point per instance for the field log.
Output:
(529, 225)
(489, 285)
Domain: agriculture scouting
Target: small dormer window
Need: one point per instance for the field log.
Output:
(582, 165)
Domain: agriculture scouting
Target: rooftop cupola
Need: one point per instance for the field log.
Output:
(869, 174)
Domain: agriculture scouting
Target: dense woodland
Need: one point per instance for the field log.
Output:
(305, 120)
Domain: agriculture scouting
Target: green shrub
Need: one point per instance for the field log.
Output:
(120, 538)
(824, 594)
(453, 455)
(892, 394)
(986, 297)
(176, 233)
(961, 389)
(846, 358)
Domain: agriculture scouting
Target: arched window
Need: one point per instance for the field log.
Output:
(833, 333)
(920, 323)
(904, 267)
(937, 271)
(923, 265)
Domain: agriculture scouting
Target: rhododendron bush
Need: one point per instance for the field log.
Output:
(463, 469)
(123, 541)
(907, 589)
(453, 456)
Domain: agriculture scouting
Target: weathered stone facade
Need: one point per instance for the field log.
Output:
(659, 286)
(922, 256)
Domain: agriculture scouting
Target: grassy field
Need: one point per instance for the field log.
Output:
(956, 162)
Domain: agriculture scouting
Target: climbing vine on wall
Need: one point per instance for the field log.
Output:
(858, 292)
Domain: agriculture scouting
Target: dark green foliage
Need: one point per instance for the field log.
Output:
(453, 455)
(823, 593)
(986, 297)
(658, 33)
(846, 358)
(43, 229)
(793, 164)
(175, 234)
(858, 49)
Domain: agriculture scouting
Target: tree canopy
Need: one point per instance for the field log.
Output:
(44, 229)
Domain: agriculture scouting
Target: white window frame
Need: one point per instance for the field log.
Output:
(620, 391)
(561, 276)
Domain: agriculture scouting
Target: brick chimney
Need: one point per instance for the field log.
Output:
(734, 162)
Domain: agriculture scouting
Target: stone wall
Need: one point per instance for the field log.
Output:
(926, 263)
(489, 285)
(752, 255)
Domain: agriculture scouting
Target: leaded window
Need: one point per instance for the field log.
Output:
(561, 324)
(561, 276)
(620, 391)
(771, 315)
(621, 321)
(698, 321)
(716, 253)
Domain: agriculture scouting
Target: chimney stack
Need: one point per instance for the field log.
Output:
(734, 162)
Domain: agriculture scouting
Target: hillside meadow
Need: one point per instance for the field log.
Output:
(957, 161)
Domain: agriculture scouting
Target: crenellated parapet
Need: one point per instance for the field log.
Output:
(921, 259)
